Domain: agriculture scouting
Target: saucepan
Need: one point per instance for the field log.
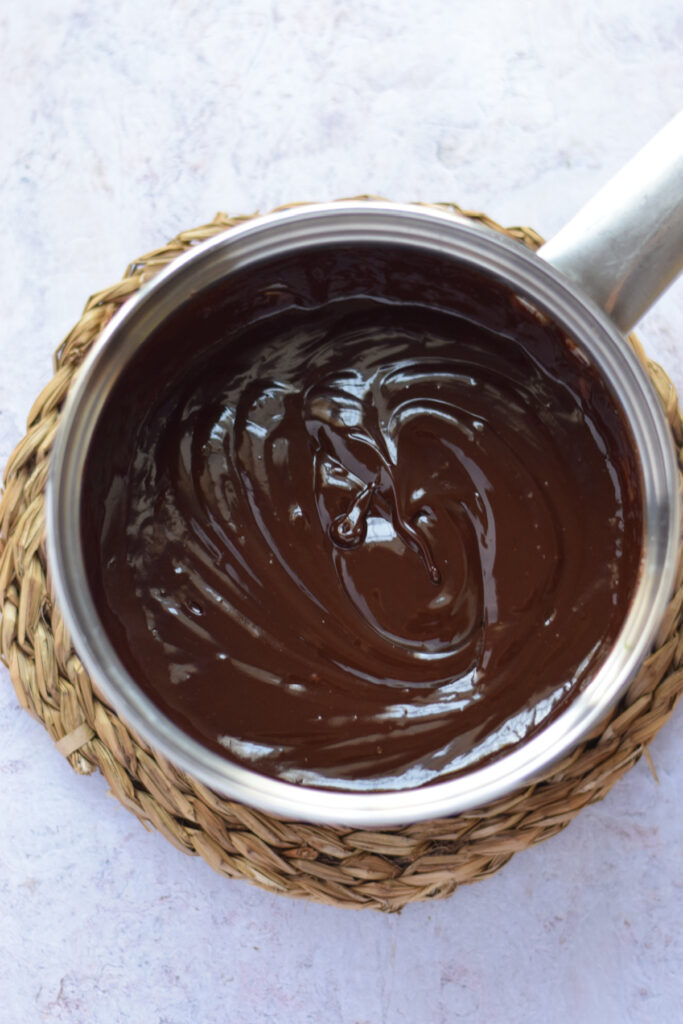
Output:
(593, 280)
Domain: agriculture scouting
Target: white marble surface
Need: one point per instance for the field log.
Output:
(124, 122)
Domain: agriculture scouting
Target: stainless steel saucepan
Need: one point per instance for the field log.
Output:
(594, 279)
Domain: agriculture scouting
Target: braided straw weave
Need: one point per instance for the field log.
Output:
(384, 869)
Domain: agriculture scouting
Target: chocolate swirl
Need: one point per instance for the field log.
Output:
(370, 541)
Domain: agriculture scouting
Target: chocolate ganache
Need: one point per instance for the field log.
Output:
(361, 518)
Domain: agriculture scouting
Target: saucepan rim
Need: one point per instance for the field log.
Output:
(455, 238)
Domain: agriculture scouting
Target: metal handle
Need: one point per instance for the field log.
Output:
(625, 246)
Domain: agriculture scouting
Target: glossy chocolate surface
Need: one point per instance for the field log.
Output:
(361, 519)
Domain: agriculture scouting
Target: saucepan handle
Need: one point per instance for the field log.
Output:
(625, 246)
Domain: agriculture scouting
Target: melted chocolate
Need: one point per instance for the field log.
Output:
(361, 519)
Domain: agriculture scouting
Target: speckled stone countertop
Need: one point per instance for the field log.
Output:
(123, 123)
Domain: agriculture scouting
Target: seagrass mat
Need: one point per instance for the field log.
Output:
(384, 869)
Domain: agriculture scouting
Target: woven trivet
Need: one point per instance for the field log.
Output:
(383, 868)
